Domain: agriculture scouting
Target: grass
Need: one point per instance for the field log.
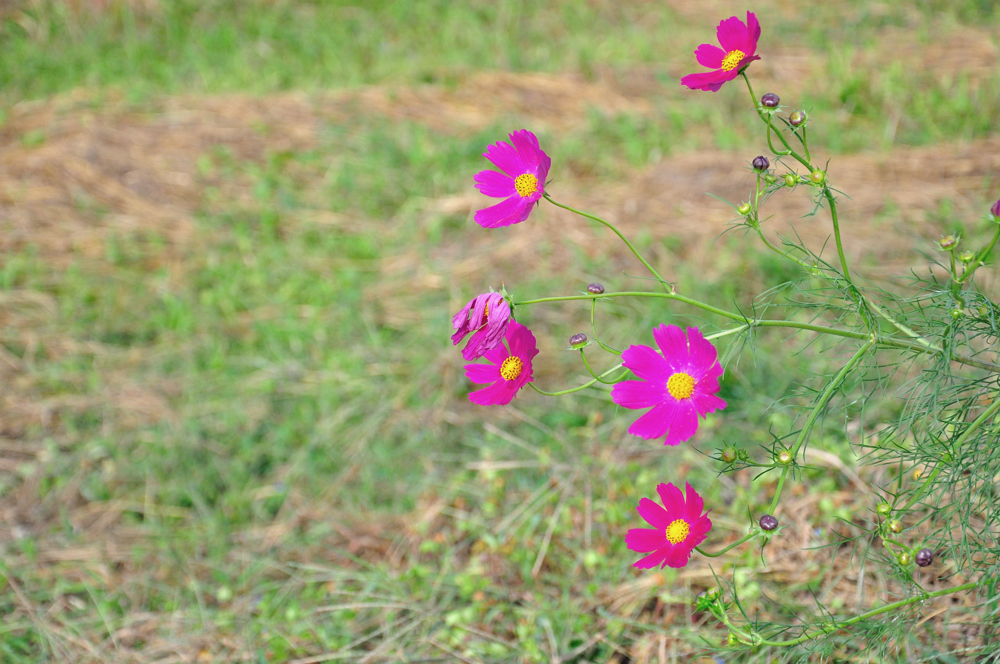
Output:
(257, 445)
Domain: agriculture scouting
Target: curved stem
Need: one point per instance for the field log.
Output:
(836, 233)
(591, 371)
(617, 232)
(735, 544)
(980, 257)
(593, 327)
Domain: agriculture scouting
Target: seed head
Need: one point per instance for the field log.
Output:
(578, 340)
(760, 163)
(770, 100)
(797, 118)
(924, 557)
(595, 289)
(768, 523)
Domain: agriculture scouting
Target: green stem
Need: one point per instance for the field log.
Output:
(980, 257)
(591, 371)
(593, 327)
(836, 232)
(766, 117)
(735, 544)
(628, 244)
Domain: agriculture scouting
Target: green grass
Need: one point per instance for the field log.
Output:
(305, 431)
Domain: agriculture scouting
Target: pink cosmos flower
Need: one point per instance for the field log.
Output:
(678, 386)
(678, 527)
(488, 323)
(508, 371)
(739, 49)
(526, 168)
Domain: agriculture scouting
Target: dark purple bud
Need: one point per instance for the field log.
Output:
(595, 289)
(995, 210)
(578, 340)
(797, 118)
(924, 557)
(760, 163)
(770, 100)
(768, 522)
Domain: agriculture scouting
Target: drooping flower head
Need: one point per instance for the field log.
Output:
(677, 387)
(521, 184)
(995, 210)
(739, 49)
(485, 317)
(509, 369)
(678, 527)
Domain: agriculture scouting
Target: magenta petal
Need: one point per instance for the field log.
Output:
(654, 515)
(708, 81)
(645, 363)
(495, 184)
(506, 157)
(644, 540)
(543, 171)
(732, 34)
(753, 33)
(527, 147)
(497, 355)
(693, 504)
(482, 374)
(655, 423)
(699, 530)
(504, 213)
(679, 555)
(673, 343)
(707, 403)
(637, 394)
(652, 560)
(703, 353)
(673, 499)
(489, 396)
(684, 425)
(461, 321)
(709, 56)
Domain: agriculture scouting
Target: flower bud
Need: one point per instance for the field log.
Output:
(905, 559)
(817, 177)
(948, 242)
(791, 180)
(784, 457)
(728, 455)
(578, 340)
(595, 289)
(731, 640)
(966, 256)
(956, 314)
(895, 526)
(768, 523)
(797, 118)
(995, 210)
(744, 209)
(770, 100)
(760, 163)
(884, 509)
(770, 179)
(924, 557)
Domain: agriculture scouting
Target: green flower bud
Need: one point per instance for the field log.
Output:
(905, 559)
(728, 455)
(797, 118)
(791, 180)
(884, 509)
(948, 242)
(784, 457)
(966, 256)
(744, 209)
(956, 314)
(817, 177)
(770, 179)
(731, 640)
(895, 526)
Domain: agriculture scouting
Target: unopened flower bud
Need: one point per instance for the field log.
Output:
(948, 242)
(995, 210)
(784, 457)
(744, 209)
(770, 100)
(595, 289)
(895, 526)
(728, 455)
(578, 340)
(817, 177)
(731, 640)
(956, 314)
(797, 118)
(905, 559)
(791, 180)
(924, 557)
(768, 523)
(760, 163)
(884, 509)
(966, 256)
(770, 179)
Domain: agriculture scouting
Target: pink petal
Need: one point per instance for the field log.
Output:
(497, 355)
(693, 505)
(637, 394)
(543, 171)
(461, 319)
(490, 396)
(706, 403)
(709, 56)
(655, 423)
(527, 148)
(674, 345)
(699, 531)
(644, 540)
(482, 373)
(679, 555)
(703, 353)
(709, 81)
(652, 560)
(495, 184)
(684, 424)
(753, 34)
(732, 34)
(507, 158)
(653, 514)
(645, 363)
(673, 500)
(522, 342)
(504, 213)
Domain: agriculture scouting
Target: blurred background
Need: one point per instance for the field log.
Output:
(233, 235)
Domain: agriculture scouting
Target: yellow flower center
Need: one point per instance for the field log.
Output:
(526, 184)
(678, 531)
(680, 385)
(732, 60)
(511, 368)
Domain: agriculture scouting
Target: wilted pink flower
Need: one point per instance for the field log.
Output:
(739, 49)
(526, 168)
(508, 371)
(678, 386)
(487, 323)
(678, 527)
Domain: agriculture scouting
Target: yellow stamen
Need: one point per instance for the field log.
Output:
(511, 368)
(526, 184)
(678, 531)
(680, 385)
(732, 60)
